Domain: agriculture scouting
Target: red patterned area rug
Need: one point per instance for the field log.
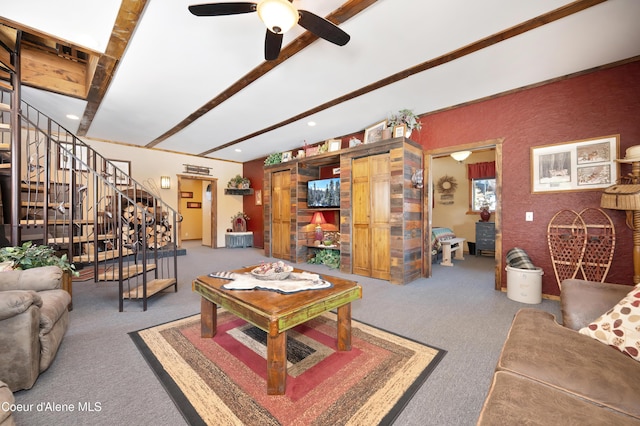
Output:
(222, 381)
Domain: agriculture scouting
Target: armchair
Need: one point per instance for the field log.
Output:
(33, 320)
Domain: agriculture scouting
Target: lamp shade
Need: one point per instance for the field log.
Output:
(278, 15)
(318, 218)
(460, 155)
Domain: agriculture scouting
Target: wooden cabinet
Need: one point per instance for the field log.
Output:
(485, 237)
(381, 211)
(371, 216)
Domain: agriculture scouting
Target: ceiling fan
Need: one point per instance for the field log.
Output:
(279, 16)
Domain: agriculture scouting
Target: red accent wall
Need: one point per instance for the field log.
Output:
(598, 104)
(254, 171)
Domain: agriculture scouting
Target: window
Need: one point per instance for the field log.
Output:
(483, 192)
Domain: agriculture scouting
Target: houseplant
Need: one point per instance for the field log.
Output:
(29, 256)
(239, 182)
(406, 117)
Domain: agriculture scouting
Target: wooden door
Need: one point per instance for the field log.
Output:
(281, 214)
(371, 198)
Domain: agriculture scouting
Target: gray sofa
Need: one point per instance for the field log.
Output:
(33, 320)
(549, 374)
(6, 399)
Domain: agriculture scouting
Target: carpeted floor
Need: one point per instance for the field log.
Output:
(223, 380)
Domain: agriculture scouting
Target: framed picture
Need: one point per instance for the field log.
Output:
(258, 197)
(311, 151)
(336, 170)
(194, 205)
(118, 171)
(354, 142)
(575, 166)
(399, 131)
(286, 156)
(374, 133)
(186, 194)
(64, 158)
(334, 144)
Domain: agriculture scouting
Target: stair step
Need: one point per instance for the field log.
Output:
(34, 222)
(4, 107)
(153, 287)
(43, 204)
(112, 273)
(5, 127)
(5, 166)
(103, 255)
(80, 239)
(5, 147)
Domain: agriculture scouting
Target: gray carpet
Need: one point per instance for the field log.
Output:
(99, 367)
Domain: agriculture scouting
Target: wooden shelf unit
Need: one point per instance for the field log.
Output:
(407, 202)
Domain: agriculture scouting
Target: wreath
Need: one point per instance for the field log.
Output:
(447, 184)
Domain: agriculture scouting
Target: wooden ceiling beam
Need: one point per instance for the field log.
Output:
(554, 15)
(128, 17)
(340, 15)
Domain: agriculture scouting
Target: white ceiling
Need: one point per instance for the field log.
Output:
(176, 62)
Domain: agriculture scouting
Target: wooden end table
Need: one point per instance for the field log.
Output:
(275, 313)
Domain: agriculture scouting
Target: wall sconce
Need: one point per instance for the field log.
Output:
(165, 182)
(460, 156)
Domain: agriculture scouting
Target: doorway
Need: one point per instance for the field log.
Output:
(197, 205)
(433, 199)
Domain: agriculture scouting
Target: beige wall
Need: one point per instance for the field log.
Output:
(147, 165)
(455, 215)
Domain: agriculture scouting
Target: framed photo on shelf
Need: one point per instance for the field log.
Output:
(374, 133)
(582, 165)
(286, 156)
(194, 205)
(399, 130)
(334, 145)
(118, 171)
(64, 156)
(186, 194)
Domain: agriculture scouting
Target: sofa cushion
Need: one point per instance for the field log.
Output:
(15, 302)
(38, 279)
(54, 304)
(539, 348)
(584, 301)
(518, 400)
(619, 327)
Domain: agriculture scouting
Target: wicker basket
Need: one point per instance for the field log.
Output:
(273, 276)
(621, 197)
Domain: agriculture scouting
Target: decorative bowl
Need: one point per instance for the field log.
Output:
(271, 274)
(327, 243)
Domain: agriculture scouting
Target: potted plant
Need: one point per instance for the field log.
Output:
(405, 117)
(28, 256)
(239, 182)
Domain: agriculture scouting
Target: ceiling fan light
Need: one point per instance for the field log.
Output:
(460, 155)
(278, 15)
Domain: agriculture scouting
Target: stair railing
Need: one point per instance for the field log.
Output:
(82, 202)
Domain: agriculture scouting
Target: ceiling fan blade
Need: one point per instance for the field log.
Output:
(272, 45)
(219, 9)
(323, 28)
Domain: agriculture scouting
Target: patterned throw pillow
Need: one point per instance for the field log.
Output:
(519, 259)
(620, 326)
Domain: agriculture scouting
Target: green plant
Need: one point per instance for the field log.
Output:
(407, 117)
(331, 258)
(28, 256)
(237, 181)
(275, 158)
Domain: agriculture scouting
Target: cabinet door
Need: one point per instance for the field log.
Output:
(371, 216)
(361, 217)
(281, 216)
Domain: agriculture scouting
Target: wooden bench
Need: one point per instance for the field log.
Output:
(451, 245)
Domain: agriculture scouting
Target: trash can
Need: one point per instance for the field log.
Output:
(524, 285)
(472, 248)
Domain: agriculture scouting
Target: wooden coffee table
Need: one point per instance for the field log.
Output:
(275, 313)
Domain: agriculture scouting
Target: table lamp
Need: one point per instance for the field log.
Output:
(318, 220)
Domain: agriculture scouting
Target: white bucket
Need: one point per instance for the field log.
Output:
(524, 285)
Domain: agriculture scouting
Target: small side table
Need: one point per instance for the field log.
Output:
(238, 239)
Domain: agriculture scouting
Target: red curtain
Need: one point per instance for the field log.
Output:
(482, 170)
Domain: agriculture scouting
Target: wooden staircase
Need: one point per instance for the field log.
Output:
(57, 190)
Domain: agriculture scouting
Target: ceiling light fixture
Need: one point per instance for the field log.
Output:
(311, 123)
(237, 150)
(73, 117)
(460, 156)
(278, 15)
